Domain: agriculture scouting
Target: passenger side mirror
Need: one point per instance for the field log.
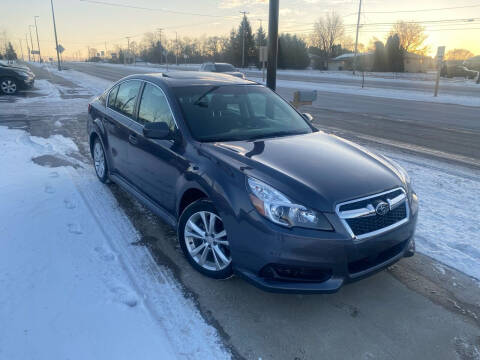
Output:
(308, 117)
(157, 130)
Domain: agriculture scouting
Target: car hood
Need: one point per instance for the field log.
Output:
(21, 68)
(235, 73)
(318, 170)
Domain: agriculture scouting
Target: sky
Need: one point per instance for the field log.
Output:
(82, 24)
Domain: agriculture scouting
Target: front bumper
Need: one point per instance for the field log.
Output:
(27, 82)
(263, 253)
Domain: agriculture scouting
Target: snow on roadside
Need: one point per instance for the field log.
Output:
(73, 285)
(378, 92)
(449, 220)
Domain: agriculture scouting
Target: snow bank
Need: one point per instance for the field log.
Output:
(378, 92)
(72, 285)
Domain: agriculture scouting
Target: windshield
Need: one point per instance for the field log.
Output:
(237, 112)
(224, 68)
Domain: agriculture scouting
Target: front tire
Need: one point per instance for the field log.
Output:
(204, 240)
(8, 86)
(100, 161)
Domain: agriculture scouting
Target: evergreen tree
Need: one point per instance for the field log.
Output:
(245, 32)
(292, 52)
(379, 57)
(394, 54)
(10, 53)
(261, 37)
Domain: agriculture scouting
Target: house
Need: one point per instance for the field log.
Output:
(415, 63)
(345, 61)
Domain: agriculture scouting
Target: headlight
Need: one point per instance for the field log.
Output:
(279, 209)
(23, 74)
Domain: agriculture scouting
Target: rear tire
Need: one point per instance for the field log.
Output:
(8, 86)
(203, 239)
(100, 161)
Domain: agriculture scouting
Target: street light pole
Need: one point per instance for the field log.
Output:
(272, 44)
(56, 40)
(31, 41)
(128, 51)
(356, 38)
(21, 48)
(38, 42)
(28, 47)
(243, 36)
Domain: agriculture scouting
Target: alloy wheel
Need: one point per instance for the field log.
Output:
(99, 159)
(206, 241)
(8, 86)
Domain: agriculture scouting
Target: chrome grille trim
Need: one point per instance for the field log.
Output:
(369, 210)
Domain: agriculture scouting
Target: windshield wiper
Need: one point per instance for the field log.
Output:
(275, 134)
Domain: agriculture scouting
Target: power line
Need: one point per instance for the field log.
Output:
(422, 10)
(128, 6)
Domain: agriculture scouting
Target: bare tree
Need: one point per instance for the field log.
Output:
(458, 54)
(412, 36)
(328, 32)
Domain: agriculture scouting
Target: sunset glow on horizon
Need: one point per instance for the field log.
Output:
(96, 24)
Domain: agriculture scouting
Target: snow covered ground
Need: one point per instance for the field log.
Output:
(72, 284)
(378, 92)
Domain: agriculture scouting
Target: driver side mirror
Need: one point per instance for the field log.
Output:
(308, 117)
(157, 130)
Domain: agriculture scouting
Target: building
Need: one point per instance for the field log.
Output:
(415, 63)
(345, 62)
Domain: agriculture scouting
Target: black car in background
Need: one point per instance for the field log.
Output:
(458, 71)
(224, 68)
(251, 186)
(14, 78)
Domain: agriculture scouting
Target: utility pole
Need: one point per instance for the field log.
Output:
(21, 48)
(38, 42)
(28, 47)
(160, 41)
(128, 50)
(356, 38)
(105, 50)
(56, 40)
(31, 41)
(176, 48)
(243, 35)
(88, 53)
(272, 44)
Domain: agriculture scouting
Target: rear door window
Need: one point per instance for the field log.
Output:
(127, 97)
(112, 97)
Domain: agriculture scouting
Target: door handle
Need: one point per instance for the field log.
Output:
(133, 139)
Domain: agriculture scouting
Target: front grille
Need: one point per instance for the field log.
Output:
(364, 225)
(363, 218)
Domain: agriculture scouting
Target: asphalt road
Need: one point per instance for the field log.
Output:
(411, 311)
(450, 132)
(446, 85)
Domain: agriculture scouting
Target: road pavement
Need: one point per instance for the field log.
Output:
(450, 132)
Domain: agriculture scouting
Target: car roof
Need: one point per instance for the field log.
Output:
(191, 78)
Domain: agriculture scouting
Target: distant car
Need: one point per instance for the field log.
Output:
(458, 71)
(251, 186)
(14, 78)
(222, 68)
